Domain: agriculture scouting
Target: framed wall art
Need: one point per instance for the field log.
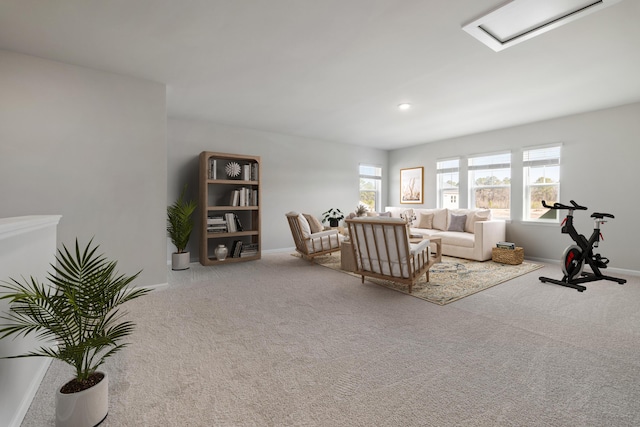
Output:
(411, 185)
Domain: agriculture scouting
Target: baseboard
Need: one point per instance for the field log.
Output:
(25, 403)
(279, 250)
(152, 287)
(605, 271)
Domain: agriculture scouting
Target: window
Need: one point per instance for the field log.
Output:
(490, 184)
(541, 167)
(448, 172)
(371, 187)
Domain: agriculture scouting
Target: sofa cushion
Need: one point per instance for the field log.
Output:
(304, 226)
(314, 223)
(483, 215)
(393, 211)
(425, 220)
(440, 217)
(455, 238)
(457, 223)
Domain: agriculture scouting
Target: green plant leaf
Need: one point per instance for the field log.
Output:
(179, 224)
(79, 310)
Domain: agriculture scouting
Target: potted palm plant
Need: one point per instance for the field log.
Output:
(179, 227)
(79, 318)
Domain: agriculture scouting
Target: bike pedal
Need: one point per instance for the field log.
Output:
(600, 261)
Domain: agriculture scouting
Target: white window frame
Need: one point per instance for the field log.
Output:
(377, 179)
(545, 161)
(471, 169)
(443, 170)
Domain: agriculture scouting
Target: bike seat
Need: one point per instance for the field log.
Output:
(600, 215)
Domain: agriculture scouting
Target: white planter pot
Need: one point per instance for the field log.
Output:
(87, 408)
(180, 261)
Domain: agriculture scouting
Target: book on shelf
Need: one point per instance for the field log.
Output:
(243, 196)
(231, 222)
(213, 169)
(238, 223)
(216, 224)
(216, 220)
(254, 171)
(236, 249)
(249, 250)
(223, 229)
(246, 172)
(505, 245)
(235, 198)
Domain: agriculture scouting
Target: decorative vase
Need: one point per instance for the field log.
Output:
(333, 222)
(221, 252)
(86, 408)
(180, 261)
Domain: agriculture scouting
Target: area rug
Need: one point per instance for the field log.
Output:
(451, 279)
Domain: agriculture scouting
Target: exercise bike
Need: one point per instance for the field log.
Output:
(575, 256)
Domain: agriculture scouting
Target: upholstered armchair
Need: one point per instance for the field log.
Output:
(381, 249)
(312, 243)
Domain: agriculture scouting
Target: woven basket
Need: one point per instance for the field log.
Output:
(508, 256)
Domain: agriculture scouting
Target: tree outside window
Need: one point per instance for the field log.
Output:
(490, 184)
(371, 186)
(541, 168)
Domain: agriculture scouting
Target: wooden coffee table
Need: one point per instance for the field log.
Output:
(437, 241)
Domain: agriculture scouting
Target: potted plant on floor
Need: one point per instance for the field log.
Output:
(179, 227)
(333, 215)
(79, 317)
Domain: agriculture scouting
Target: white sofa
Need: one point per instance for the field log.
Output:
(475, 235)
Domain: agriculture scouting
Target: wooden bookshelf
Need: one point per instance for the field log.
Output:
(229, 206)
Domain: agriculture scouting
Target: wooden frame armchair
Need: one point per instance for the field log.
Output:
(309, 244)
(382, 250)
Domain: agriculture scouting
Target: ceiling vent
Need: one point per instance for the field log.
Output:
(520, 20)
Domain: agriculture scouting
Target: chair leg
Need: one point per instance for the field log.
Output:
(362, 279)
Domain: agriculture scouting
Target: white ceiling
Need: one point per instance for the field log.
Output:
(336, 69)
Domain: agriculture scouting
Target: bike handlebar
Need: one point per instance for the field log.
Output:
(557, 205)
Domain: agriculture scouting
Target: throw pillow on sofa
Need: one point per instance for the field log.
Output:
(477, 216)
(425, 221)
(314, 223)
(458, 223)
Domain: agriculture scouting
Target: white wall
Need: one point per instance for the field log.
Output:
(300, 174)
(599, 164)
(91, 146)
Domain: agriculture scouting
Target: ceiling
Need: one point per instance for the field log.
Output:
(336, 69)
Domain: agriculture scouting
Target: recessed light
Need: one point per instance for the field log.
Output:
(404, 106)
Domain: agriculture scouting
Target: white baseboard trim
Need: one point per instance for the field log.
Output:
(159, 285)
(37, 378)
(279, 250)
(604, 271)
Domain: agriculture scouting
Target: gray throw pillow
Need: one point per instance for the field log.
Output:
(385, 214)
(457, 222)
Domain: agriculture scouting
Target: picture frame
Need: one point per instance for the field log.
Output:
(411, 185)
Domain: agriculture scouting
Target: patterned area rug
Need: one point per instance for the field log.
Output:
(451, 279)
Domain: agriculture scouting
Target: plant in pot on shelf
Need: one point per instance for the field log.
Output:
(79, 318)
(333, 216)
(179, 227)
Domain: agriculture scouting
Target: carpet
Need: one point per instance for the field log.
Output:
(451, 279)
